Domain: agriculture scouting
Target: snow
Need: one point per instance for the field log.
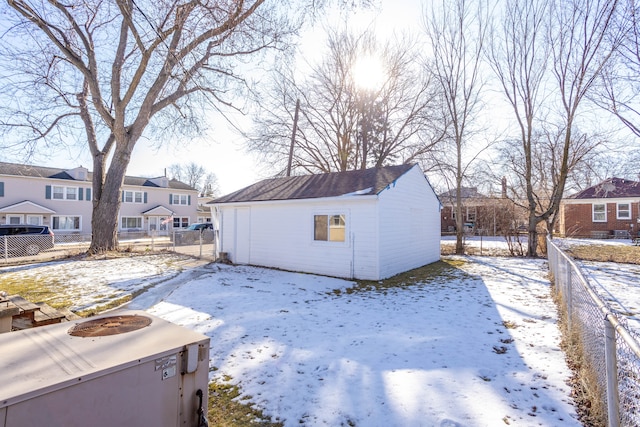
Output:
(476, 345)
(309, 352)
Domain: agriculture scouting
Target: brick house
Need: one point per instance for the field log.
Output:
(472, 202)
(609, 209)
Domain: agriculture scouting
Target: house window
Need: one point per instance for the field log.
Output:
(133, 197)
(14, 219)
(599, 212)
(128, 222)
(58, 193)
(180, 199)
(624, 211)
(329, 228)
(34, 219)
(471, 214)
(68, 223)
(64, 193)
(180, 222)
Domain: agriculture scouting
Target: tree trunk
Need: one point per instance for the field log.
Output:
(107, 200)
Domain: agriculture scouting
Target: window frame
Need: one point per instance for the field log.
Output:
(57, 217)
(594, 213)
(180, 199)
(180, 221)
(65, 192)
(628, 211)
(132, 196)
(330, 218)
(138, 219)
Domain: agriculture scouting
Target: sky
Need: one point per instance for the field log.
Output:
(222, 151)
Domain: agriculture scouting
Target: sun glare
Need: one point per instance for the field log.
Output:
(368, 73)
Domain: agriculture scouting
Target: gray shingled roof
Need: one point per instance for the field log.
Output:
(57, 173)
(611, 188)
(363, 182)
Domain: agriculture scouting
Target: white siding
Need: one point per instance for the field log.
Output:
(409, 224)
(282, 237)
(19, 189)
(385, 235)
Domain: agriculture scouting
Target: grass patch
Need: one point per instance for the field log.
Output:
(606, 253)
(438, 271)
(227, 409)
(585, 391)
(37, 290)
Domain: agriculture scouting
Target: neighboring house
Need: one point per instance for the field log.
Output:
(62, 199)
(472, 202)
(606, 210)
(365, 224)
(204, 211)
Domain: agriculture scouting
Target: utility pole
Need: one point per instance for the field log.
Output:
(293, 136)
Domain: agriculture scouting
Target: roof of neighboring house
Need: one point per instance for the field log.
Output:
(57, 173)
(466, 192)
(357, 182)
(612, 188)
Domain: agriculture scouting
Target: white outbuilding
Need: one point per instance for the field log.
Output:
(363, 224)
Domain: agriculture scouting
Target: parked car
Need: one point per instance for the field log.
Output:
(194, 234)
(200, 226)
(25, 239)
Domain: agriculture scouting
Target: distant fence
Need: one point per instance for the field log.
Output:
(20, 249)
(609, 348)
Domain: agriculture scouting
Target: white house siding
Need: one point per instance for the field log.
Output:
(282, 236)
(154, 196)
(409, 225)
(33, 189)
(37, 192)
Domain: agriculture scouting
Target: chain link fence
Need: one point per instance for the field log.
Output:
(39, 248)
(27, 245)
(610, 351)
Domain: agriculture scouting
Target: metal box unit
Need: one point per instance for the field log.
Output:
(125, 369)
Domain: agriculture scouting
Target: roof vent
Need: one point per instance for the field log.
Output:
(113, 325)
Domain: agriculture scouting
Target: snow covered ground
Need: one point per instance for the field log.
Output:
(477, 345)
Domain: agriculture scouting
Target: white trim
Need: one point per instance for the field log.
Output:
(634, 199)
(140, 217)
(593, 213)
(23, 207)
(629, 210)
(67, 216)
(10, 216)
(65, 192)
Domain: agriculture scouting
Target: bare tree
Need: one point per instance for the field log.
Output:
(343, 125)
(518, 54)
(533, 181)
(196, 176)
(456, 31)
(619, 85)
(109, 69)
(582, 40)
(210, 186)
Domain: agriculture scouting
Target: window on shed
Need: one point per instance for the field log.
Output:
(624, 211)
(329, 228)
(599, 212)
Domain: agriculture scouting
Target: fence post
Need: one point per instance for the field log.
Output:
(611, 362)
(568, 294)
(6, 249)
